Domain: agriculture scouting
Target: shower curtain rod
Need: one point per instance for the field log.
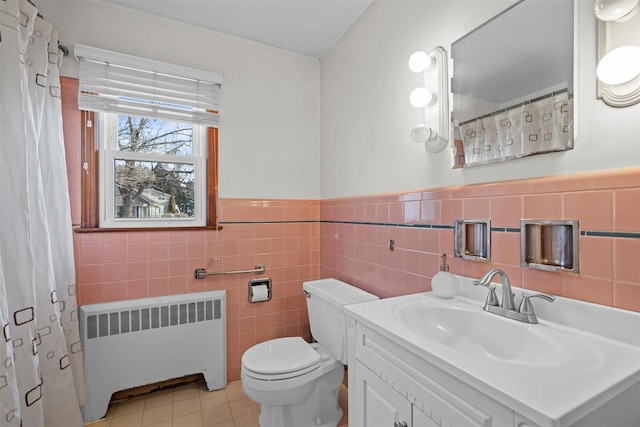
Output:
(63, 49)
(519, 104)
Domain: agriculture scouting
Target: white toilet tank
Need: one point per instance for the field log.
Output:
(325, 301)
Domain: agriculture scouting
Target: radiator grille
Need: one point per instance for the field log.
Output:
(141, 319)
(142, 341)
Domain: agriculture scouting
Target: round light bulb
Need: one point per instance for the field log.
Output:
(421, 97)
(619, 66)
(615, 10)
(423, 133)
(420, 61)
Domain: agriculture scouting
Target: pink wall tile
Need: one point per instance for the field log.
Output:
(451, 210)
(437, 194)
(91, 273)
(430, 211)
(505, 248)
(137, 270)
(140, 237)
(476, 208)
(115, 272)
(506, 211)
(158, 286)
(544, 206)
(92, 293)
(563, 183)
(114, 253)
(627, 295)
(429, 240)
(92, 254)
(627, 210)
(594, 209)
(468, 191)
(596, 256)
(116, 291)
(598, 291)
(158, 269)
(112, 238)
(396, 213)
(508, 188)
(626, 265)
(137, 252)
(137, 289)
(411, 212)
(617, 178)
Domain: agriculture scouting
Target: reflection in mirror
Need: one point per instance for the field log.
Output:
(513, 84)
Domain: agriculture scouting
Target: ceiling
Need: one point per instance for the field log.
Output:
(307, 27)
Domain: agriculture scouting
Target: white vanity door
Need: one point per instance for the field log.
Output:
(377, 404)
(420, 419)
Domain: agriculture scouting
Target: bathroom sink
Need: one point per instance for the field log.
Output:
(553, 372)
(472, 331)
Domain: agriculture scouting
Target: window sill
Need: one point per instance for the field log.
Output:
(110, 230)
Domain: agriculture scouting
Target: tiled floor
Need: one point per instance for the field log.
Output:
(191, 405)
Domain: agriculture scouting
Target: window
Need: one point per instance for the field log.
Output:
(152, 172)
(149, 142)
(95, 171)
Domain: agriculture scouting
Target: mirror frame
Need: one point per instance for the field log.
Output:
(457, 145)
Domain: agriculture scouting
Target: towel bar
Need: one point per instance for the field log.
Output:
(201, 273)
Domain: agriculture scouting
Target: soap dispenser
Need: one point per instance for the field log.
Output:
(443, 283)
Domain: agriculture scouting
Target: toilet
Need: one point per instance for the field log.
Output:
(297, 383)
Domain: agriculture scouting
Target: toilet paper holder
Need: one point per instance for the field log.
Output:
(259, 282)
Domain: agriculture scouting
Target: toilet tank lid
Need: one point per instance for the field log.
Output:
(337, 292)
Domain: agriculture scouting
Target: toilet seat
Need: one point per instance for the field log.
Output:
(280, 358)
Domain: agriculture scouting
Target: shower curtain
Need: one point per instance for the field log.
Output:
(41, 362)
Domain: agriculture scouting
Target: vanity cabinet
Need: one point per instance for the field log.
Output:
(381, 405)
(389, 386)
(378, 403)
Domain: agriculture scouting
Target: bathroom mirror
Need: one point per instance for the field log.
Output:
(512, 84)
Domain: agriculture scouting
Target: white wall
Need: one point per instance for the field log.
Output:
(269, 135)
(293, 128)
(366, 117)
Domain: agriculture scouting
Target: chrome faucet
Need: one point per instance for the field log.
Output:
(508, 302)
(507, 308)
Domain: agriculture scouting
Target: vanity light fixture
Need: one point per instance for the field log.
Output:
(618, 69)
(619, 66)
(433, 96)
(616, 10)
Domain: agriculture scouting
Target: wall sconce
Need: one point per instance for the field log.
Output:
(433, 97)
(618, 50)
(615, 10)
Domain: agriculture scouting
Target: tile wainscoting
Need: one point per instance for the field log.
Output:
(355, 235)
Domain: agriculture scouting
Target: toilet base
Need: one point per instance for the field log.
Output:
(321, 409)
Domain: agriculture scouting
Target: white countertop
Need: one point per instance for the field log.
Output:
(602, 359)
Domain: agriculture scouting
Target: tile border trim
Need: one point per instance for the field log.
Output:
(615, 234)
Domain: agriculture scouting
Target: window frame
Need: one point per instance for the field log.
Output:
(91, 173)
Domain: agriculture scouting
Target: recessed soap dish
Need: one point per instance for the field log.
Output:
(550, 245)
(472, 239)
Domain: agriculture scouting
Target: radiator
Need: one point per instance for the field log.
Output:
(138, 342)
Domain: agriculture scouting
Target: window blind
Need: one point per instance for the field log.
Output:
(118, 83)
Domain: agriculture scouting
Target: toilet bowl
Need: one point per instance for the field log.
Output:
(303, 391)
(297, 383)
